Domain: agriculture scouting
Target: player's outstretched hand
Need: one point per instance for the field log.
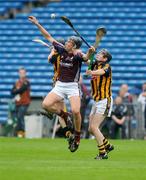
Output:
(33, 19)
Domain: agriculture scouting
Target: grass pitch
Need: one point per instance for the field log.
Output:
(47, 159)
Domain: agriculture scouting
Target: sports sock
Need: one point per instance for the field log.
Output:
(63, 115)
(77, 136)
(106, 143)
(101, 149)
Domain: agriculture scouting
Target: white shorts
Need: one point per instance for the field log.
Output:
(64, 89)
(103, 107)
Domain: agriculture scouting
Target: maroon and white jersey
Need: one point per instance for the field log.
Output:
(70, 64)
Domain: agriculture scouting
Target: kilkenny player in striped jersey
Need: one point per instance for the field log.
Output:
(101, 85)
(54, 59)
(101, 80)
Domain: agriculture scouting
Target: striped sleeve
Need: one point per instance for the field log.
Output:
(107, 69)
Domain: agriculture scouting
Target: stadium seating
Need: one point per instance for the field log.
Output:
(126, 39)
(7, 6)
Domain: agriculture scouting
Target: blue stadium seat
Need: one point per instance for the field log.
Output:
(126, 37)
(5, 6)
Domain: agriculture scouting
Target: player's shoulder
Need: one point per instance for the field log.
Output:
(78, 52)
(56, 43)
(107, 65)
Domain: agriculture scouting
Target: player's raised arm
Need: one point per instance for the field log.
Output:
(99, 72)
(96, 72)
(87, 56)
(102, 57)
(41, 28)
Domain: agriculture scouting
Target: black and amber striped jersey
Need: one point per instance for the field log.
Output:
(101, 85)
(55, 60)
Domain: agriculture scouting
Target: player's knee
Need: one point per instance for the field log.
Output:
(75, 112)
(91, 128)
(45, 105)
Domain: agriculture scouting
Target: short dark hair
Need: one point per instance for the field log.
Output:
(107, 54)
(76, 40)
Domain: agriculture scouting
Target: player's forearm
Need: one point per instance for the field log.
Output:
(34, 20)
(86, 60)
(88, 55)
(44, 32)
(96, 72)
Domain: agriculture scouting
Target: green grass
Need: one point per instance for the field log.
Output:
(47, 159)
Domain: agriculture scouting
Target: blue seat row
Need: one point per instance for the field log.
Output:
(5, 6)
(125, 39)
(136, 60)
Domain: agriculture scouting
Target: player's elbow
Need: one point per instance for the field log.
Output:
(48, 37)
(46, 105)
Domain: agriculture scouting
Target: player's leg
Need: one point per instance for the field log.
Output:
(49, 104)
(68, 124)
(75, 103)
(56, 95)
(75, 108)
(94, 124)
(97, 116)
(61, 106)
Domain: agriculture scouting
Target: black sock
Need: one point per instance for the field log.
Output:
(77, 136)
